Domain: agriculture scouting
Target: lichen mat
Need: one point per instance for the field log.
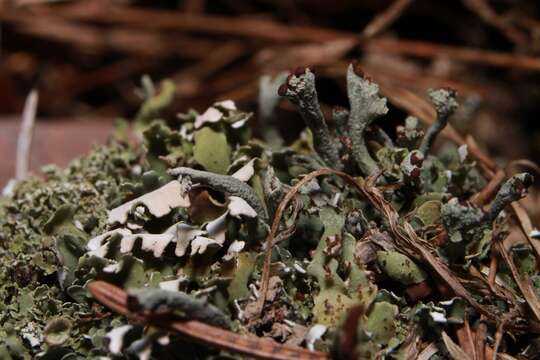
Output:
(355, 241)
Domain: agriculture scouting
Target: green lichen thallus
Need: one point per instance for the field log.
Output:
(354, 240)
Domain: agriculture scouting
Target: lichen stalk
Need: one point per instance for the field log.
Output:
(444, 101)
(299, 88)
(512, 190)
(340, 117)
(366, 106)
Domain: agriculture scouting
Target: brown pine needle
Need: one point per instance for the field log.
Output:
(428, 50)
(383, 20)
(465, 339)
(481, 332)
(115, 298)
(481, 198)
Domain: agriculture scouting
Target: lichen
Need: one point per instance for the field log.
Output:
(361, 262)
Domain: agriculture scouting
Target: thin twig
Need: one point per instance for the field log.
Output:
(24, 142)
(383, 20)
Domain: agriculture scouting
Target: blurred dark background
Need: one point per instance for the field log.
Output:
(86, 59)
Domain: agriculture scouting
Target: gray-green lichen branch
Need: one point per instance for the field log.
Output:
(512, 190)
(366, 106)
(444, 101)
(340, 116)
(299, 88)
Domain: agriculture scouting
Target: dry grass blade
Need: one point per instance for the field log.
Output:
(116, 299)
(190, 79)
(268, 30)
(90, 38)
(328, 52)
(24, 142)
